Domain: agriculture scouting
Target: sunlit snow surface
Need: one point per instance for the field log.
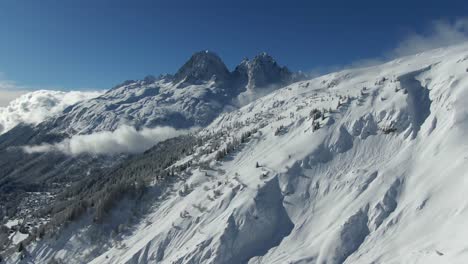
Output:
(384, 179)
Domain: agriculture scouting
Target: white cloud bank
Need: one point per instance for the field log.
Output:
(125, 139)
(35, 107)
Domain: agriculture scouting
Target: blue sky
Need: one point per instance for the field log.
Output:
(65, 44)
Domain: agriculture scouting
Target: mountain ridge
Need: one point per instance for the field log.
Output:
(191, 97)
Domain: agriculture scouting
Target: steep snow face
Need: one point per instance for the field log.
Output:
(146, 103)
(35, 107)
(359, 166)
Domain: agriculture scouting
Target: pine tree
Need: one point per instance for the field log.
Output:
(20, 247)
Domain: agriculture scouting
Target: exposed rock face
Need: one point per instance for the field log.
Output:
(262, 71)
(202, 66)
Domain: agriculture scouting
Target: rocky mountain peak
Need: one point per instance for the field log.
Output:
(202, 66)
(262, 71)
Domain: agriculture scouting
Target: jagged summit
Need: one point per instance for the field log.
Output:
(202, 66)
(261, 71)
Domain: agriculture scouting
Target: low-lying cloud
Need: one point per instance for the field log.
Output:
(125, 139)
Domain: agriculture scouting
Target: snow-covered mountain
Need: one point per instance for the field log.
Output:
(35, 107)
(194, 96)
(41, 161)
(360, 166)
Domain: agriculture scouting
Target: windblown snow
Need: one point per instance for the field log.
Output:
(35, 107)
(360, 166)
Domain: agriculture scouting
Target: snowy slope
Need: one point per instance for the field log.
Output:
(376, 175)
(35, 107)
(141, 104)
